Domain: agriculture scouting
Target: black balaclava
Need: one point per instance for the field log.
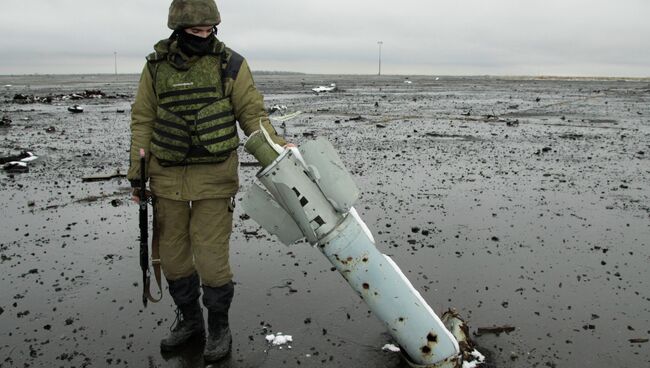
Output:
(194, 45)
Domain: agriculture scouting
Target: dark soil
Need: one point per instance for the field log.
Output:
(520, 202)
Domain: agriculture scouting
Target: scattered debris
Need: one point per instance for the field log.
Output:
(87, 94)
(277, 108)
(286, 117)
(572, 136)
(324, 89)
(408, 81)
(50, 129)
(639, 341)
(5, 122)
(15, 167)
(497, 330)
(93, 178)
(22, 99)
(17, 164)
(22, 155)
(451, 136)
(76, 109)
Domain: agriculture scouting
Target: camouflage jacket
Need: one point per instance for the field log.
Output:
(201, 181)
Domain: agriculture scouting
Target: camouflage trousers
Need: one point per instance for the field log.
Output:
(194, 237)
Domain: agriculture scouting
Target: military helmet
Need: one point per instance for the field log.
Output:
(191, 13)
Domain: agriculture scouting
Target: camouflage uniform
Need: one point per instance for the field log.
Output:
(194, 192)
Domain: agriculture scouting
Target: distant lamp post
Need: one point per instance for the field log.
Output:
(380, 43)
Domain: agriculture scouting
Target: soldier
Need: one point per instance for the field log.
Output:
(192, 90)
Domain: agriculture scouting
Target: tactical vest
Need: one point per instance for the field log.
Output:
(195, 122)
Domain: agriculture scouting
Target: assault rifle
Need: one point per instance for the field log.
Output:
(144, 238)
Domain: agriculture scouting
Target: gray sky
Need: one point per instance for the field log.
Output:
(437, 37)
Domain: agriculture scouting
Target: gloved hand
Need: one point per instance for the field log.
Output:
(135, 195)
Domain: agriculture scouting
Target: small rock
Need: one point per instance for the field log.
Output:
(514, 355)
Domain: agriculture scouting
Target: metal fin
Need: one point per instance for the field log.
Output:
(328, 171)
(264, 210)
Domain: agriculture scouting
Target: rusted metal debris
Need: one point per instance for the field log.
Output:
(497, 330)
(638, 341)
(94, 178)
(20, 156)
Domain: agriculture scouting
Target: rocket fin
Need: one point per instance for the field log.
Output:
(264, 210)
(329, 172)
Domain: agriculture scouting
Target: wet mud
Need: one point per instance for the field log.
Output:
(522, 203)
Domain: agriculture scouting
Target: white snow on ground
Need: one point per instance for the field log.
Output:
(479, 359)
(390, 347)
(279, 339)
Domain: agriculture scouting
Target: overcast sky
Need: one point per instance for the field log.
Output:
(432, 37)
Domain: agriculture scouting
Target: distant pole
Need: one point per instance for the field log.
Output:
(115, 54)
(380, 43)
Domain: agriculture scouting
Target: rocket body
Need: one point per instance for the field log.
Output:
(311, 195)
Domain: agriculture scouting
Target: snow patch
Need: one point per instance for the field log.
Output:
(279, 339)
(390, 347)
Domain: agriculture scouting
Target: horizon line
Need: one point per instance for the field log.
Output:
(281, 72)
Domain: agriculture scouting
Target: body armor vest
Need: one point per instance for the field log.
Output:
(195, 122)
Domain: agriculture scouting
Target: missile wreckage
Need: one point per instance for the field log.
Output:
(311, 196)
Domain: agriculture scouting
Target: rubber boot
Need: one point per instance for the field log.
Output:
(189, 315)
(217, 300)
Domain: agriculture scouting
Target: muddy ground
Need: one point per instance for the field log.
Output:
(518, 202)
